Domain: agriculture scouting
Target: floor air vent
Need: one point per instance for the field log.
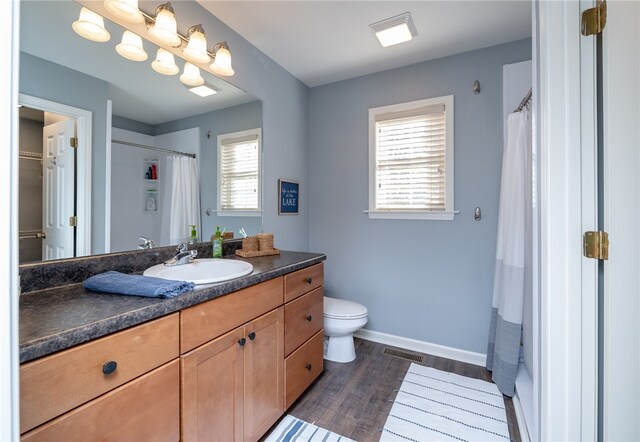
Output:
(401, 354)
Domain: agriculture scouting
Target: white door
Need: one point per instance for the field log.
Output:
(58, 190)
(621, 201)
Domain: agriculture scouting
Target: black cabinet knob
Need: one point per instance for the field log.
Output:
(252, 336)
(308, 367)
(308, 318)
(109, 367)
(242, 341)
(309, 280)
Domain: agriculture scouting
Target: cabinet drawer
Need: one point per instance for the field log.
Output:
(206, 321)
(303, 318)
(145, 409)
(302, 368)
(303, 281)
(55, 384)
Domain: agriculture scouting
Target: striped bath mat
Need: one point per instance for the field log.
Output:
(437, 405)
(292, 429)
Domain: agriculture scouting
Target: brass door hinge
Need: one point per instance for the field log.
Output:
(596, 245)
(73, 221)
(594, 19)
(73, 142)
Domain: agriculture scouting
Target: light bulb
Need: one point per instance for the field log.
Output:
(126, 10)
(191, 75)
(196, 50)
(222, 63)
(91, 26)
(164, 63)
(131, 47)
(165, 29)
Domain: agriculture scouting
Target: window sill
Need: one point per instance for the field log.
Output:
(243, 213)
(412, 215)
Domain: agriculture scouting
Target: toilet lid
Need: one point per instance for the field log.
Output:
(340, 308)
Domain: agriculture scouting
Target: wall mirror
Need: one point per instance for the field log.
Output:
(114, 106)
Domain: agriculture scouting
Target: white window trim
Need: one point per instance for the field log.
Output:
(242, 213)
(446, 214)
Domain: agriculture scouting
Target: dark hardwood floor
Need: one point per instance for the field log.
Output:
(354, 399)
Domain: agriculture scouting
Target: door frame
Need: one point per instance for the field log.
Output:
(9, 280)
(568, 207)
(83, 170)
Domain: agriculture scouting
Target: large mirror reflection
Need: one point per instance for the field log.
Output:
(146, 162)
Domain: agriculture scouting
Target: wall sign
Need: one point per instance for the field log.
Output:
(288, 191)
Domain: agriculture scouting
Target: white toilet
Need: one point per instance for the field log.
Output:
(341, 319)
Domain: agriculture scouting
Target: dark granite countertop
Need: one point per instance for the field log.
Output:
(58, 318)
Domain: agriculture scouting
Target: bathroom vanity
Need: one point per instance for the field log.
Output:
(222, 362)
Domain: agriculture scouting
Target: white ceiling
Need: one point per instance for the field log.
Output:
(320, 42)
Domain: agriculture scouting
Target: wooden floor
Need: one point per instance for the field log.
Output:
(354, 399)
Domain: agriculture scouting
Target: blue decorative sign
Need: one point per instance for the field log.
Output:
(288, 197)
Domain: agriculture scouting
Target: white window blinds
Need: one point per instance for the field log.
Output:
(410, 155)
(239, 174)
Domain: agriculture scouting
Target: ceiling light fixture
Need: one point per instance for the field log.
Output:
(164, 63)
(203, 91)
(191, 75)
(196, 50)
(165, 28)
(131, 47)
(222, 60)
(91, 26)
(394, 30)
(126, 10)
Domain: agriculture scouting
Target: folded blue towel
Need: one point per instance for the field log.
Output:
(137, 285)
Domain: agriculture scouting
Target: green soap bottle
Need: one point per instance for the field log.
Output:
(216, 241)
(194, 234)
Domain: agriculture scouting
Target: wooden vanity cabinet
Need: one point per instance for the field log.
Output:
(232, 386)
(99, 390)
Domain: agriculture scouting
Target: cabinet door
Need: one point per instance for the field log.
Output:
(212, 390)
(264, 376)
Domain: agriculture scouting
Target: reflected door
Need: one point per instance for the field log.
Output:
(58, 190)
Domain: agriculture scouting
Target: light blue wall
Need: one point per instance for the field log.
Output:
(425, 280)
(285, 105)
(231, 119)
(132, 125)
(43, 79)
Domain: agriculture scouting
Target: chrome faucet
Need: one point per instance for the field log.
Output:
(183, 256)
(146, 243)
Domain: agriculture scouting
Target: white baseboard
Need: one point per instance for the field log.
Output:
(423, 347)
(522, 424)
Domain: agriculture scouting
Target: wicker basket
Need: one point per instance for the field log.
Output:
(265, 241)
(250, 244)
(227, 235)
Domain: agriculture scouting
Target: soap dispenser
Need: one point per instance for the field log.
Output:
(216, 241)
(193, 239)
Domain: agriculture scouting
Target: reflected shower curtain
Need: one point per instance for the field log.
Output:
(509, 279)
(181, 200)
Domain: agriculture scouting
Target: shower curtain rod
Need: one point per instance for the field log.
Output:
(524, 101)
(144, 146)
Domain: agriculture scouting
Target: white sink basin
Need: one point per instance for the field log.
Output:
(202, 271)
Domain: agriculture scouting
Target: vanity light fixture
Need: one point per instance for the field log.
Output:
(131, 47)
(165, 28)
(204, 90)
(126, 10)
(222, 60)
(191, 75)
(165, 63)
(196, 49)
(394, 30)
(91, 26)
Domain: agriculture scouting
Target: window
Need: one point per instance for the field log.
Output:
(411, 160)
(239, 172)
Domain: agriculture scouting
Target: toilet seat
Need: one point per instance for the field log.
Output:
(343, 309)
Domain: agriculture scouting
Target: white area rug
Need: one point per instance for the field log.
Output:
(436, 405)
(292, 429)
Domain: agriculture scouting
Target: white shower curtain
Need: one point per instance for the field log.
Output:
(181, 200)
(511, 249)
